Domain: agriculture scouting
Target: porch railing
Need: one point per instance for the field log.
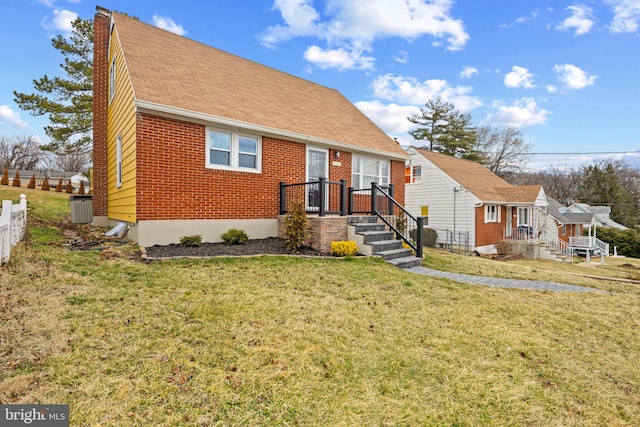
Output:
(407, 227)
(322, 197)
(522, 232)
(335, 198)
(589, 243)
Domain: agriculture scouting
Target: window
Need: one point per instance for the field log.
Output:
(229, 150)
(366, 170)
(564, 229)
(523, 216)
(424, 212)
(112, 80)
(119, 161)
(412, 175)
(491, 213)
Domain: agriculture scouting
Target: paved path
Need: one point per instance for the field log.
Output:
(501, 283)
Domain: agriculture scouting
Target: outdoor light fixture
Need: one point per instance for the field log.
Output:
(336, 154)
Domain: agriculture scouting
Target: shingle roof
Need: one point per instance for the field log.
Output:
(480, 181)
(170, 70)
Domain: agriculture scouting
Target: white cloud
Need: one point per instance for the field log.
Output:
(12, 118)
(391, 118)
(360, 22)
(468, 72)
(552, 89)
(626, 14)
(573, 77)
(524, 112)
(342, 59)
(168, 24)
(408, 90)
(581, 20)
(61, 20)
(402, 57)
(519, 77)
(48, 3)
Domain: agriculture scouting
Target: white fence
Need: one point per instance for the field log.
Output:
(13, 226)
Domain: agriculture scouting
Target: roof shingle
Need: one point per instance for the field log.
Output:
(170, 70)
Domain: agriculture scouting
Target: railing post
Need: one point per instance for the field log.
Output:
(419, 227)
(389, 200)
(283, 196)
(343, 197)
(373, 198)
(322, 184)
(350, 201)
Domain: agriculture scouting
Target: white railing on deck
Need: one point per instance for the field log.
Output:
(589, 242)
(13, 226)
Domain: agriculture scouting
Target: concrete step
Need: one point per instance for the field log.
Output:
(406, 262)
(376, 236)
(384, 245)
(395, 253)
(362, 227)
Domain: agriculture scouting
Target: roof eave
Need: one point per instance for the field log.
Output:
(208, 119)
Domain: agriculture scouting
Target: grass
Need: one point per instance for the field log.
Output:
(290, 341)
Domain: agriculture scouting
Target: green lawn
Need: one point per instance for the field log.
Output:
(314, 342)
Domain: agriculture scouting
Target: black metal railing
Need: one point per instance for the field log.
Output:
(407, 227)
(322, 197)
(334, 198)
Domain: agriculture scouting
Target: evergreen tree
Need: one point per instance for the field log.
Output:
(67, 101)
(445, 130)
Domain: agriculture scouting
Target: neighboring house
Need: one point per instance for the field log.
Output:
(189, 139)
(469, 205)
(568, 223)
(601, 214)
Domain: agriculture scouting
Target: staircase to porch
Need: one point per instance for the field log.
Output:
(374, 238)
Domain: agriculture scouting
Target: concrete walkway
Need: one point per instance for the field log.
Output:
(500, 283)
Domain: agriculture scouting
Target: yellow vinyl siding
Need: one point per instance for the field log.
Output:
(121, 116)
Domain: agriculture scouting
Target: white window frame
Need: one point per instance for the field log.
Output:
(112, 80)
(358, 162)
(234, 153)
(521, 210)
(119, 161)
(492, 213)
(416, 178)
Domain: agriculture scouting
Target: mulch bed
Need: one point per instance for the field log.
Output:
(268, 246)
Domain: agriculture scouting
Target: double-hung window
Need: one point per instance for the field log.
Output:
(231, 150)
(366, 170)
(112, 79)
(119, 161)
(491, 213)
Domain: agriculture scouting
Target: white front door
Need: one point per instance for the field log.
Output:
(317, 167)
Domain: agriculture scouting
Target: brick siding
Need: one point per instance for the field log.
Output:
(101, 29)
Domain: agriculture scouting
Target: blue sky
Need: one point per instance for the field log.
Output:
(566, 73)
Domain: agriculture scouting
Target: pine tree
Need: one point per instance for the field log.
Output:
(445, 129)
(32, 181)
(66, 101)
(5, 177)
(16, 180)
(59, 186)
(45, 184)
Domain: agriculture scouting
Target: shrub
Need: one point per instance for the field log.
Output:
(45, 184)
(429, 236)
(5, 177)
(344, 248)
(295, 233)
(235, 237)
(32, 181)
(81, 189)
(59, 186)
(16, 180)
(69, 188)
(192, 240)
(627, 241)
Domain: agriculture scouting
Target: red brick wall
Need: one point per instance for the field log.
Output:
(489, 233)
(100, 102)
(173, 182)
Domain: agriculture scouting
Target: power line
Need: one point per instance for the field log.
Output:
(586, 153)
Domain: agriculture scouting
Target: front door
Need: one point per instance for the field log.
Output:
(317, 167)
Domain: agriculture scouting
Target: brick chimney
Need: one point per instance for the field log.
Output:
(101, 30)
